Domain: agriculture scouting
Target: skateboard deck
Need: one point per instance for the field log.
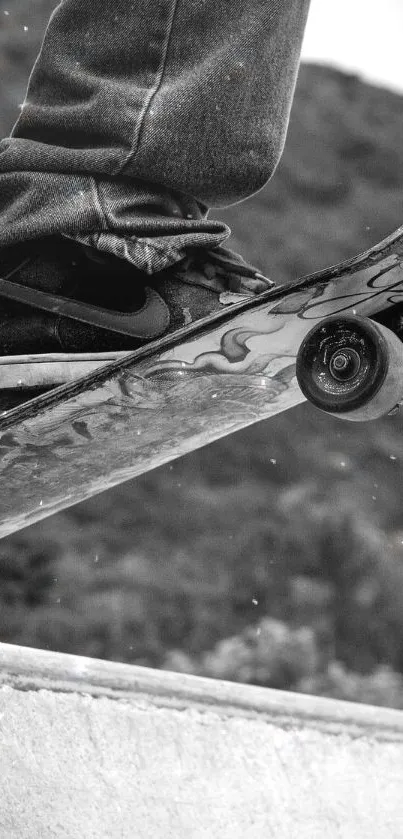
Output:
(177, 394)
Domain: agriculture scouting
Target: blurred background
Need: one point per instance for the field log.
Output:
(273, 557)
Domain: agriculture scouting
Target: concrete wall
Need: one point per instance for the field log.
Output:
(98, 750)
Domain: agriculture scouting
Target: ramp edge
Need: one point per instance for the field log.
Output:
(29, 669)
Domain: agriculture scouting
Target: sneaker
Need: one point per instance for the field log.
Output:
(66, 308)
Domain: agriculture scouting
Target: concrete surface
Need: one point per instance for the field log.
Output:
(98, 750)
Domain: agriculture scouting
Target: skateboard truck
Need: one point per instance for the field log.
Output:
(351, 367)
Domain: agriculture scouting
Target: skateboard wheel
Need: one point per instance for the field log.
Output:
(351, 367)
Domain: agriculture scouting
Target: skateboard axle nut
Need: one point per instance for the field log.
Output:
(344, 364)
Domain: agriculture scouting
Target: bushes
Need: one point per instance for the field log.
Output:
(272, 654)
(196, 552)
(382, 686)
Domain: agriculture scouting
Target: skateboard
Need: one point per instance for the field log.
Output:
(331, 337)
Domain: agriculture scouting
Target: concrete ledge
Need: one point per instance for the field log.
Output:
(92, 749)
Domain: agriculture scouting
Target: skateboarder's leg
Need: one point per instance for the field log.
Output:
(141, 116)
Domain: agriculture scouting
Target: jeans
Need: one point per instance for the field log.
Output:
(141, 115)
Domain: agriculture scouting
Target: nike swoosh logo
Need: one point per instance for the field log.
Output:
(151, 321)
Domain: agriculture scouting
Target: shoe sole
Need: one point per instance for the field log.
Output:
(19, 372)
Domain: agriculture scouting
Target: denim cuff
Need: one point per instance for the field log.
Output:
(146, 224)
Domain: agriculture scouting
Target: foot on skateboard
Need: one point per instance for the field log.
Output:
(66, 308)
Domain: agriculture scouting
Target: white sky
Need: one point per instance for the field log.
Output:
(362, 36)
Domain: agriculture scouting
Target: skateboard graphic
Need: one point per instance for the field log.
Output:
(331, 337)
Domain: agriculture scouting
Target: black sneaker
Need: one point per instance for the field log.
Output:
(66, 308)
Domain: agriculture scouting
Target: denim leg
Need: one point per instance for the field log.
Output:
(140, 116)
